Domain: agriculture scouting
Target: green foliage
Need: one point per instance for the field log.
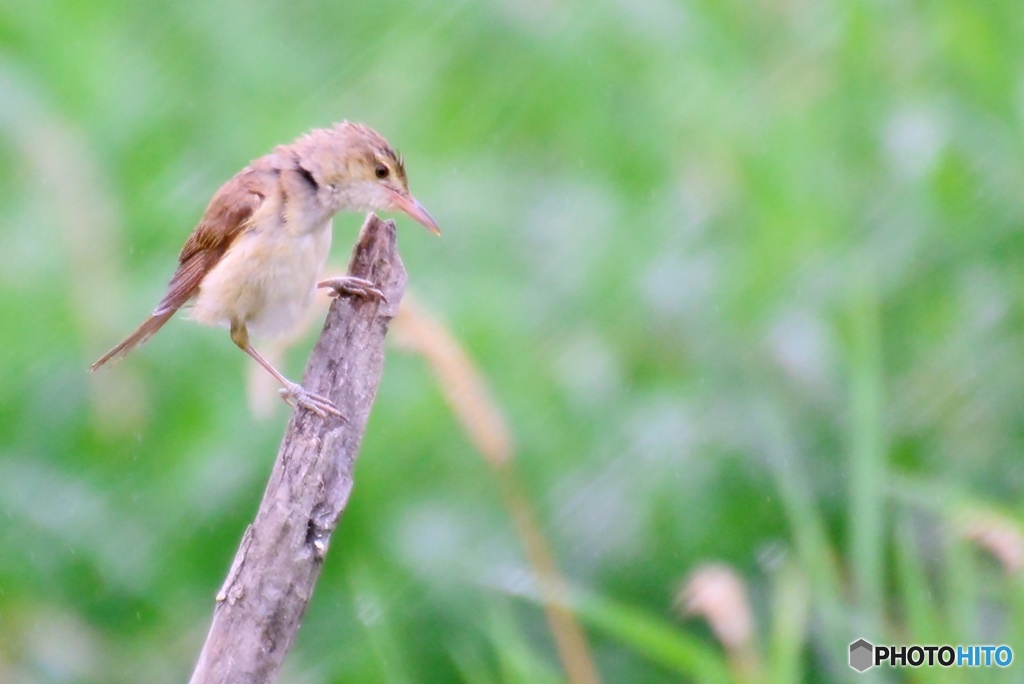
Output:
(743, 276)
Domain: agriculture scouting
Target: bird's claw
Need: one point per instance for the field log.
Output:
(351, 285)
(298, 396)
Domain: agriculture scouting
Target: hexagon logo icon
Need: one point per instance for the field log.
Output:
(861, 655)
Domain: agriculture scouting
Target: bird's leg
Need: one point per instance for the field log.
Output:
(351, 285)
(290, 391)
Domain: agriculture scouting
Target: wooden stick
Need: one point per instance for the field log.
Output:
(264, 597)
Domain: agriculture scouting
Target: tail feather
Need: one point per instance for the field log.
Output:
(140, 335)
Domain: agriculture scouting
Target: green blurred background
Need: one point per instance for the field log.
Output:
(744, 277)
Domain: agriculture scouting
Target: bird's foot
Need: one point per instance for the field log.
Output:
(351, 285)
(298, 396)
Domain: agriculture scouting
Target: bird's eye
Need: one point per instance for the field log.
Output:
(381, 171)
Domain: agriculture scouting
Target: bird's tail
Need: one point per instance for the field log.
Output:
(140, 335)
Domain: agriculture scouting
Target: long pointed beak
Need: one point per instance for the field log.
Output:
(410, 206)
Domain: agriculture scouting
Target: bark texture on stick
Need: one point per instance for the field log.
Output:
(261, 604)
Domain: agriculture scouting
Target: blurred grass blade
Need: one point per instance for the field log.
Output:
(462, 384)
(518, 662)
(373, 615)
(815, 554)
(790, 609)
(654, 639)
(867, 456)
(914, 590)
(471, 666)
(471, 400)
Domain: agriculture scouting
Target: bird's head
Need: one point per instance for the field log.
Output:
(359, 171)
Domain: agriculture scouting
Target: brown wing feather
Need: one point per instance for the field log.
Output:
(226, 217)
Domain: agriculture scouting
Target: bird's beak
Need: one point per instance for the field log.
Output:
(410, 206)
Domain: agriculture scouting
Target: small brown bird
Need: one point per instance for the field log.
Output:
(253, 261)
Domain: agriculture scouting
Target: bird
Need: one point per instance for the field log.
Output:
(252, 263)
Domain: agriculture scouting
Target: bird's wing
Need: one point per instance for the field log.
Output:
(229, 214)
